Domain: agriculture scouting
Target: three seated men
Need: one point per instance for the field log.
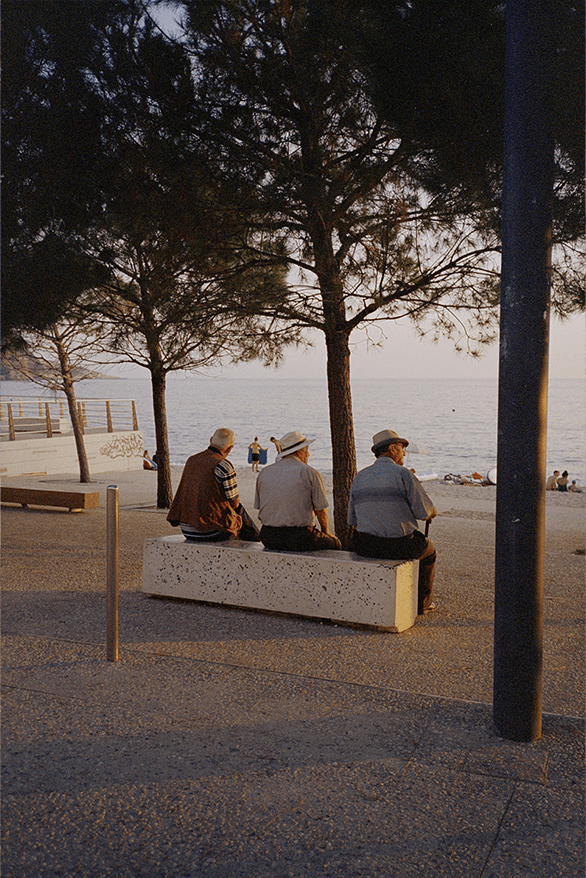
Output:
(386, 500)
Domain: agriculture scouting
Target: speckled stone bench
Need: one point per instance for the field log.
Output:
(338, 586)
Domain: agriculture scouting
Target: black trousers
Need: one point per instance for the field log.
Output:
(296, 539)
(411, 548)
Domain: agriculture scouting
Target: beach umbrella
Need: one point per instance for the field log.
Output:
(417, 448)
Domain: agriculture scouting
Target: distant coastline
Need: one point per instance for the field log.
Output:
(9, 373)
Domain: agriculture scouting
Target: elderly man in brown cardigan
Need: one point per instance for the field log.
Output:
(206, 505)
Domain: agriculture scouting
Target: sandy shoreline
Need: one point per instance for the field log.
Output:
(445, 496)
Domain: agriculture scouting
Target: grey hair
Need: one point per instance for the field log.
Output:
(223, 438)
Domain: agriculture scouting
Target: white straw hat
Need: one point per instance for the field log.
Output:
(292, 442)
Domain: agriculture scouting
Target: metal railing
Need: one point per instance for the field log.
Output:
(28, 417)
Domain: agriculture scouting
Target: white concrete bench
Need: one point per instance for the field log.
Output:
(338, 586)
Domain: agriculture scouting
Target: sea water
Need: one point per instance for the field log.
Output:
(455, 420)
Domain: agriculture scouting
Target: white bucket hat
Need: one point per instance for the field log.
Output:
(292, 442)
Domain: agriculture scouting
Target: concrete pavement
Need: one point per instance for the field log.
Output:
(227, 743)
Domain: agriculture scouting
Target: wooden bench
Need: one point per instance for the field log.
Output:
(72, 500)
(338, 586)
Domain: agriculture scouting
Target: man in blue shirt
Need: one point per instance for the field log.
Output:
(386, 500)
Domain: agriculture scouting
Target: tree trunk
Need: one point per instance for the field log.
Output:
(164, 485)
(341, 429)
(76, 424)
(338, 369)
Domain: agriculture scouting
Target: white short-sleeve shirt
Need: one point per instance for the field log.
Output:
(287, 492)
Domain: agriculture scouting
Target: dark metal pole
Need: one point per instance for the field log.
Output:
(524, 338)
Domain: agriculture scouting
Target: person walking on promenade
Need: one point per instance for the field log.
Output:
(290, 495)
(206, 505)
(386, 500)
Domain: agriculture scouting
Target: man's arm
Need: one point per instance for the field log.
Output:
(351, 510)
(323, 519)
(225, 475)
(421, 505)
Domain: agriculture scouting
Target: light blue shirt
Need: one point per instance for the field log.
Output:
(387, 499)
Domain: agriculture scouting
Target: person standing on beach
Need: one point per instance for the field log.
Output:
(276, 444)
(256, 449)
(551, 484)
(386, 500)
(290, 495)
(206, 505)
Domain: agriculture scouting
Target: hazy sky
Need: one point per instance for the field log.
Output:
(403, 354)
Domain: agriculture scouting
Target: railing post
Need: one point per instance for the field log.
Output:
(48, 421)
(112, 573)
(80, 416)
(109, 417)
(11, 433)
(20, 407)
(134, 418)
(41, 408)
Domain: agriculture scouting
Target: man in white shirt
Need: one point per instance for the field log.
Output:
(290, 495)
(386, 500)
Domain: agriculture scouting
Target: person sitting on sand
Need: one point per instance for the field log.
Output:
(575, 487)
(386, 500)
(551, 484)
(290, 495)
(562, 482)
(206, 505)
(148, 462)
(256, 449)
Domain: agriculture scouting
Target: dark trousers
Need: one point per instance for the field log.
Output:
(411, 548)
(296, 539)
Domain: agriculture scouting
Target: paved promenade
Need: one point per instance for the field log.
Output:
(231, 744)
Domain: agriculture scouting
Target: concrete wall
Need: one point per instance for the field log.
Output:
(106, 452)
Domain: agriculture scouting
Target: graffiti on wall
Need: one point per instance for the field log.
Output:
(123, 446)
